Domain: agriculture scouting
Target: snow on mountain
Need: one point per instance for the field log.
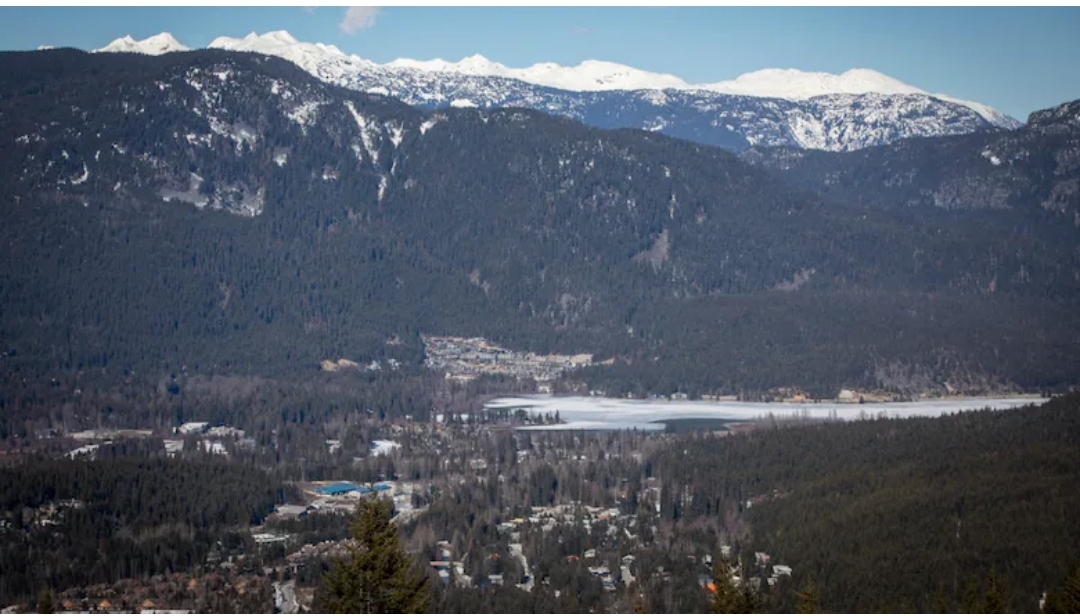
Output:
(856, 109)
(153, 46)
(589, 76)
(797, 85)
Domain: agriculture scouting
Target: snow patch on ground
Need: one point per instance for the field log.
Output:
(994, 160)
(656, 125)
(429, 124)
(368, 131)
(808, 131)
(194, 139)
(82, 178)
(384, 448)
(237, 133)
(462, 103)
(397, 133)
(304, 113)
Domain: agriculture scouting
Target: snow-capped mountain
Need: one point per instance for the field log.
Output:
(153, 46)
(773, 107)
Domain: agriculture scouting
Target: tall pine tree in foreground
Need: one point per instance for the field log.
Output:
(727, 599)
(377, 577)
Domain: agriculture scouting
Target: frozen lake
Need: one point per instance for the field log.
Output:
(595, 413)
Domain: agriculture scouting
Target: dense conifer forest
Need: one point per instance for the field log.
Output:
(68, 523)
(901, 515)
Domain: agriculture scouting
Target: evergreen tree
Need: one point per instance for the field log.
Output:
(995, 601)
(728, 599)
(941, 602)
(1067, 599)
(377, 576)
(45, 603)
(806, 600)
(1071, 597)
(970, 604)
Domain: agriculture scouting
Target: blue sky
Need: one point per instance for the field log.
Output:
(1015, 59)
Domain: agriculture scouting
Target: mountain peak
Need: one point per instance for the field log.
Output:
(480, 63)
(1066, 114)
(255, 42)
(153, 45)
(592, 75)
(793, 84)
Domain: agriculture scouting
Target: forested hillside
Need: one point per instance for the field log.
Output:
(916, 515)
(224, 213)
(1032, 170)
(65, 523)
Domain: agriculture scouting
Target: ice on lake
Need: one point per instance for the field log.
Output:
(597, 413)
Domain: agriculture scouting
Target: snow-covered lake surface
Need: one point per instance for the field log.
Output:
(595, 413)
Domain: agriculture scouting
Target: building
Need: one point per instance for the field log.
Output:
(291, 511)
(193, 427)
(341, 488)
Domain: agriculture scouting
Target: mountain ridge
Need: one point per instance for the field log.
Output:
(1033, 169)
(857, 109)
(596, 75)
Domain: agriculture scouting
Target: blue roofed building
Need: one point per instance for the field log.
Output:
(341, 488)
(382, 487)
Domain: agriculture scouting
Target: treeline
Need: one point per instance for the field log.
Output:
(905, 515)
(74, 523)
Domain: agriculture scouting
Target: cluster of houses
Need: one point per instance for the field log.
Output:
(467, 358)
(734, 573)
(447, 568)
(329, 365)
(619, 525)
(211, 439)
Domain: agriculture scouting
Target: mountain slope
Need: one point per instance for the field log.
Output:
(229, 212)
(858, 109)
(1034, 169)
